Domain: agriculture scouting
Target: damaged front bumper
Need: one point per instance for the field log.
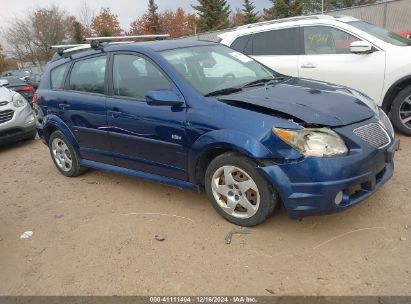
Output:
(315, 186)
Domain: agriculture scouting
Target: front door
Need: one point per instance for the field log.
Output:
(144, 138)
(327, 57)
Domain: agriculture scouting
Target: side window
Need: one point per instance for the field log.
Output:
(57, 76)
(134, 76)
(242, 44)
(88, 75)
(342, 41)
(326, 40)
(277, 42)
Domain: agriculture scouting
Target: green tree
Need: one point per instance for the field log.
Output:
(250, 16)
(284, 9)
(77, 32)
(213, 14)
(105, 32)
(153, 17)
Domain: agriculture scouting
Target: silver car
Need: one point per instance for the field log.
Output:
(17, 120)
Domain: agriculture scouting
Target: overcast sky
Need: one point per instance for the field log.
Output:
(127, 10)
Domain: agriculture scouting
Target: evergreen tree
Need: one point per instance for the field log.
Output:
(214, 14)
(78, 32)
(284, 9)
(153, 17)
(250, 16)
(105, 32)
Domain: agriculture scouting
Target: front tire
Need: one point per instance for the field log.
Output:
(238, 192)
(401, 111)
(64, 155)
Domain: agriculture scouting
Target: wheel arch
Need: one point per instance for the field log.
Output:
(393, 91)
(218, 142)
(54, 123)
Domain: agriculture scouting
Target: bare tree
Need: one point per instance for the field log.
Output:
(30, 37)
(86, 15)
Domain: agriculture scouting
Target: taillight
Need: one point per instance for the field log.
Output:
(35, 101)
(27, 89)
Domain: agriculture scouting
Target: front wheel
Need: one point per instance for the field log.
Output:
(401, 111)
(238, 192)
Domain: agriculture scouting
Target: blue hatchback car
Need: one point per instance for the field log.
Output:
(199, 115)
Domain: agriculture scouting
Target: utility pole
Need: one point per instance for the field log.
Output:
(322, 7)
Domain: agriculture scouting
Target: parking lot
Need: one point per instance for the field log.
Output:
(95, 235)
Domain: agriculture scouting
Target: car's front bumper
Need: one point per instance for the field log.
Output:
(21, 126)
(310, 186)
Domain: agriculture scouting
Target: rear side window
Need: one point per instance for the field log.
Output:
(88, 75)
(242, 44)
(277, 42)
(57, 76)
(134, 76)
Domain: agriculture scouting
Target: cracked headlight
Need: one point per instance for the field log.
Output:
(18, 100)
(319, 142)
(386, 123)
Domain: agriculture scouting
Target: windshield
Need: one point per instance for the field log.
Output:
(381, 33)
(215, 68)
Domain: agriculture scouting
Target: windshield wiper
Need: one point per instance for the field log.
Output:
(225, 91)
(263, 81)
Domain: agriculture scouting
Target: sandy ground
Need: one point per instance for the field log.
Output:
(87, 241)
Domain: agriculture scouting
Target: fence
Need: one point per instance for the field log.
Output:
(393, 15)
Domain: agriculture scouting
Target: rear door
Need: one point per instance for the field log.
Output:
(278, 49)
(327, 57)
(144, 137)
(82, 106)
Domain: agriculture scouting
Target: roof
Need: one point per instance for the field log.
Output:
(156, 46)
(163, 45)
(250, 28)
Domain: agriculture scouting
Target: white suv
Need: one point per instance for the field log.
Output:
(341, 50)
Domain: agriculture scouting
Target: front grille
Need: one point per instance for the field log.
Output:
(6, 115)
(374, 134)
(3, 103)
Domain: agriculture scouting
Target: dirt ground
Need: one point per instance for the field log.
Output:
(91, 239)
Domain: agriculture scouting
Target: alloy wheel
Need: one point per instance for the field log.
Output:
(405, 112)
(235, 192)
(61, 154)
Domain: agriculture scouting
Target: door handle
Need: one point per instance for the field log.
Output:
(64, 106)
(114, 114)
(308, 65)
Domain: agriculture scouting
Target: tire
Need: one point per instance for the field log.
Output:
(230, 197)
(62, 156)
(402, 102)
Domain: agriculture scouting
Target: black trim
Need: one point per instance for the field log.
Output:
(389, 97)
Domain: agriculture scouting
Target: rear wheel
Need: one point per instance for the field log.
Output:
(401, 111)
(238, 192)
(64, 155)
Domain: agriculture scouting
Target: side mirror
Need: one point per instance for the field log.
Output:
(163, 98)
(4, 82)
(361, 47)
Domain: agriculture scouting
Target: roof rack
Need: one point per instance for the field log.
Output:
(284, 20)
(97, 42)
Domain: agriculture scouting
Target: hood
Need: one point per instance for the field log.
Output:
(5, 94)
(311, 101)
